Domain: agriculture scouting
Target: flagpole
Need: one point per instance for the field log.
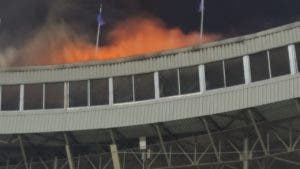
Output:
(202, 19)
(98, 31)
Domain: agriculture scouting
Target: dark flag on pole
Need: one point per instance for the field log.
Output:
(100, 19)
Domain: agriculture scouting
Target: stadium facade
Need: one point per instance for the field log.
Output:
(227, 104)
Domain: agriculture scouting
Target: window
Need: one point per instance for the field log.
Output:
(234, 71)
(144, 86)
(168, 83)
(99, 92)
(189, 80)
(10, 97)
(33, 96)
(259, 66)
(297, 46)
(123, 91)
(214, 75)
(279, 60)
(78, 94)
(54, 95)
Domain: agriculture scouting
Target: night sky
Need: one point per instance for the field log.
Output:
(20, 20)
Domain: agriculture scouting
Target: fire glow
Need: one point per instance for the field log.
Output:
(130, 38)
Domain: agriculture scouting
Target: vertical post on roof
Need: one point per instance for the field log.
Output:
(98, 30)
(202, 18)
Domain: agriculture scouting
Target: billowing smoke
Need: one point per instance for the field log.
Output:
(58, 42)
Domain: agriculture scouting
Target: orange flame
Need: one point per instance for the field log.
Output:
(135, 36)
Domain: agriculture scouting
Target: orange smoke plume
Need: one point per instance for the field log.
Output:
(135, 36)
(58, 44)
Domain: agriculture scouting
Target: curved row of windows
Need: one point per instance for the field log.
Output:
(193, 79)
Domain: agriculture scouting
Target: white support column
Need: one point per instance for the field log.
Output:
(66, 95)
(247, 71)
(55, 162)
(178, 82)
(44, 95)
(111, 91)
(269, 64)
(0, 98)
(246, 154)
(133, 88)
(156, 85)
(115, 156)
(293, 59)
(21, 104)
(224, 73)
(202, 78)
(89, 92)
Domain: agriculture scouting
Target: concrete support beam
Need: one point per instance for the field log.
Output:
(211, 139)
(257, 132)
(69, 153)
(23, 152)
(246, 154)
(55, 162)
(115, 156)
(162, 144)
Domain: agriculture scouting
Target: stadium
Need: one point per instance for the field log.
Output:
(228, 104)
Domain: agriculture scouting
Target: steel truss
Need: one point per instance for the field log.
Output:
(258, 144)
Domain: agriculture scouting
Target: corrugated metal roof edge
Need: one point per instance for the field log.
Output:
(238, 39)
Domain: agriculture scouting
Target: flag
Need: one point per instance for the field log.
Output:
(201, 6)
(100, 20)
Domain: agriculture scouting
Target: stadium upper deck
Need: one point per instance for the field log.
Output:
(234, 74)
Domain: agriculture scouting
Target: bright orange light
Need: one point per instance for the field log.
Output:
(132, 37)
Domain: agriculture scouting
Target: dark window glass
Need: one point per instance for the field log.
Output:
(99, 92)
(33, 96)
(259, 66)
(78, 94)
(54, 95)
(234, 71)
(168, 83)
(279, 59)
(10, 97)
(298, 55)
(214, 75)
(123, 89)
(189, 80)
(144, 86)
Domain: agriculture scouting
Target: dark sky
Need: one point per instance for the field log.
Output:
(21, 19)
